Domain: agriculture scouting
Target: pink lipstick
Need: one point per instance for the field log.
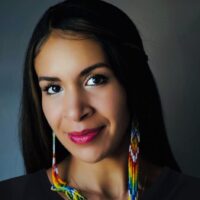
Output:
(85, 136)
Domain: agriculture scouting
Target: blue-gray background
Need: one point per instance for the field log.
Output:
(171, 35)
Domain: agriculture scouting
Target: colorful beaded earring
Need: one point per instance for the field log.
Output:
(133, 165)
(60, 186)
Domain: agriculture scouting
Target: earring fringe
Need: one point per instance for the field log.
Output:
(133, 165)
(58, 184)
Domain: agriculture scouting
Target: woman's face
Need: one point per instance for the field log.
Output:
(82, 100)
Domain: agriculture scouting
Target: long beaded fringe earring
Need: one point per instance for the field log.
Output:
(58, 184)
(133, 165)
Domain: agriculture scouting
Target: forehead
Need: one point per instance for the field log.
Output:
(60, 40)
(73, 51)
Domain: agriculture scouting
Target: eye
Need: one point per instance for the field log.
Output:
(52, 89)
(97, 79)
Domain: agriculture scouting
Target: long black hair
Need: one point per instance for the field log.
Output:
(123, 47)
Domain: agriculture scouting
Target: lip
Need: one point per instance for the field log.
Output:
(85, 136)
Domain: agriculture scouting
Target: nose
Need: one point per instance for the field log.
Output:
(77, 106)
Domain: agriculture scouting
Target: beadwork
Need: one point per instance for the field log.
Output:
(61, 186)
(58, 184)
(133, 165)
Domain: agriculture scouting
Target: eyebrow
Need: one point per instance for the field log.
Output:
(85, 72)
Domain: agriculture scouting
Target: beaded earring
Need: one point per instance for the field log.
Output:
(133, 165)
(60, 186)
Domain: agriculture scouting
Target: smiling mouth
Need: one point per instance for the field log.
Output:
(85, 136)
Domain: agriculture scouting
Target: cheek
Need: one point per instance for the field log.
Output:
(52, 112)
(112, 104)
(119, 109)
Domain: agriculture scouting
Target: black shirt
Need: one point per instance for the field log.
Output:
(169, 185)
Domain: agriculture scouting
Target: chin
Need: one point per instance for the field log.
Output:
(90, 157)
(91, 161)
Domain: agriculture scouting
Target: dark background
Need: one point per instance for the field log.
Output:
(171, 35)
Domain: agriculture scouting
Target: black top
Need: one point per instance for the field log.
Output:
(169, 185)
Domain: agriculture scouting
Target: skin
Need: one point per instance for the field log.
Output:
(72, 102)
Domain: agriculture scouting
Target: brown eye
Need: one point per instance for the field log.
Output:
(52, 89)
(97, 80)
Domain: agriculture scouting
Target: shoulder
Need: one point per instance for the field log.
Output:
(177, 185)
(23, 186)
(181, 179)
(173, 185)
(185, 186)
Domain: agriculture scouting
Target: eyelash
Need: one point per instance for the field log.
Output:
(51, 85)
(103, 80)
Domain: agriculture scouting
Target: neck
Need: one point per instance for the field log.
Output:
(106, 179)
(109, 176)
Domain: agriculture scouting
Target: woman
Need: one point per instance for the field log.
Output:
(88, 92)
